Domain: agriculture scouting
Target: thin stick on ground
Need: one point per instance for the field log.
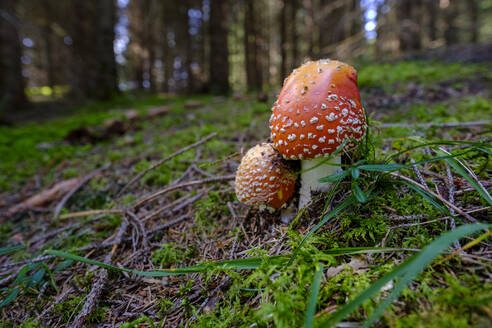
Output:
(162, 161)
(405, 225)
(89, 213)
(82, 182)
(418, 174)
(100, 280)
(182, 185)
(437, 125)
(447, 203)
(450, 185)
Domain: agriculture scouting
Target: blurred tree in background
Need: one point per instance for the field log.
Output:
(94, 48)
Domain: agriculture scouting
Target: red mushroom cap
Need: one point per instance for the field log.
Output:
(318, 108)
(264, 178)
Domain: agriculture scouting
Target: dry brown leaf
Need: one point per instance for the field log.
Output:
(47, 195)
(357, 265)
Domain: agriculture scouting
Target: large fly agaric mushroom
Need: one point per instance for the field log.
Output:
(264, 179)
(317, 110)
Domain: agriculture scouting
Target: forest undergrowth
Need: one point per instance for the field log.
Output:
(124, 214)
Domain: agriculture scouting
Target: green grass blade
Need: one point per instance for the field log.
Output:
(335, 177)
(11, 249)
(358, 193)
(239, 264)
(408, 270)
(10, 297)
(476, 145)
(421, 261)
(428, 196)
(458, 167)
(313, 298)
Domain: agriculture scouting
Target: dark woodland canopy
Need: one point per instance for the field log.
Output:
(95, 48)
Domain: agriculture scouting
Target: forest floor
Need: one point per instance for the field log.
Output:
(65, 186)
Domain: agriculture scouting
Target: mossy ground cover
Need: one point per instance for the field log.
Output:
(214, 226)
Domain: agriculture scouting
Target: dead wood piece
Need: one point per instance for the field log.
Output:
(131, 115)
(82, 182)
(140, 226)
(418, 174)
(46, 196)
(437, 125)
(168, 224)
(162, 161)
(191, 104)
(404, 225)
(450, 185)
(100, 281)
(90, 212)
(447, 203)
(158, 111)
(182, 185)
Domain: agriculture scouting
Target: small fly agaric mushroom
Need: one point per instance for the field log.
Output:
(264, 178)
(317, 110)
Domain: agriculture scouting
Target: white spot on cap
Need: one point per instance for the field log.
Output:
(303, 123)
(331, 117)
(313, 120)
(322, 139)
(314, 147)
(291, 137)
(320, 127)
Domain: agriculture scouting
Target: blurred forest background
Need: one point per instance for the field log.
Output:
(93, 49)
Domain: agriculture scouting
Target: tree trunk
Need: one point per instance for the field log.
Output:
(250, 47)
(12, 95)
(331, 27)
(451, 30)
(433, 12)
(166, 55)
(409, 15)
(473, 11)
(283, 40)
(219, 51)
(293, 32)
(188, 50)
(309, 20)
(107, 84)
(50, 69)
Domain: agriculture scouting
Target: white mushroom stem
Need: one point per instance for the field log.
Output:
(310, 178)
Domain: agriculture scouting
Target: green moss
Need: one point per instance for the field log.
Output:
(168, 255)
(462, 303)
(384, 74)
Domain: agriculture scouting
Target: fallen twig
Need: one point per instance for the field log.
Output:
(100, 280)
(90, 212)
(447, 203)
(450, 185)
(182, 185)
(404, 225)
(84, 180)
(437, 125)
(162, 161)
